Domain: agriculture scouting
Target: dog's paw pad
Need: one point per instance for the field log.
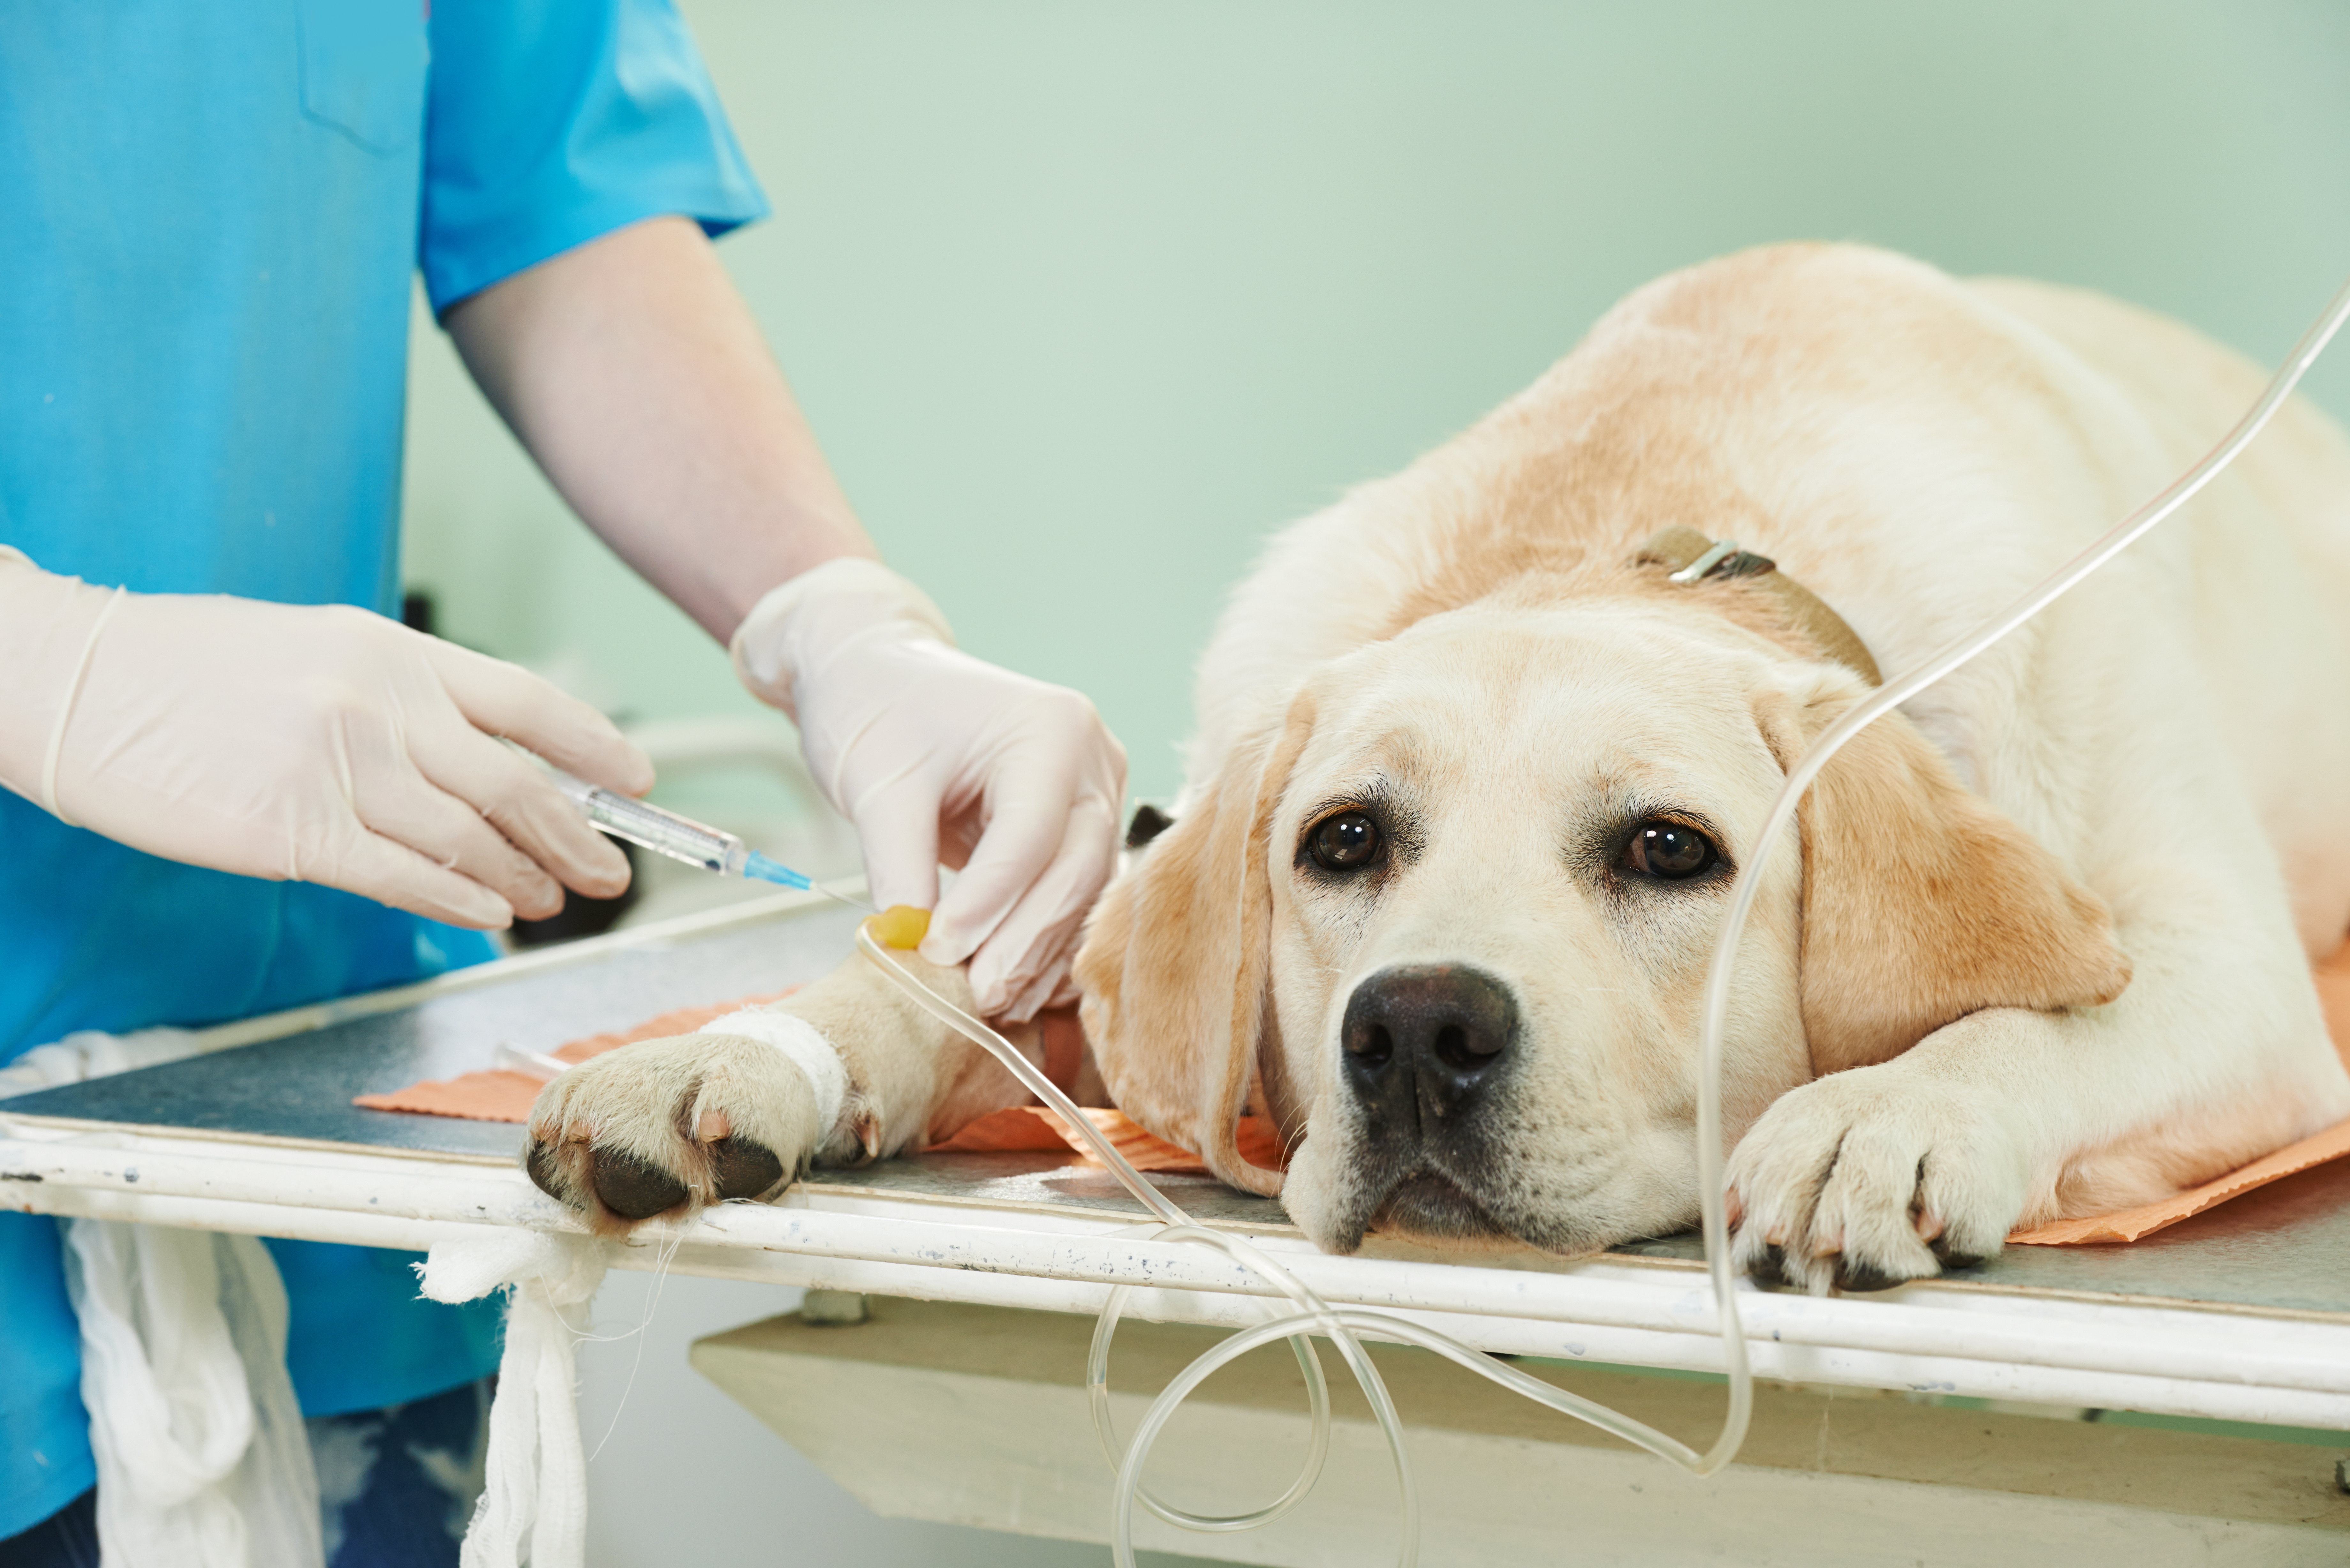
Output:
(1855, 1277)
(546, 1171)
(633, 1188)
(1953, 1257)
(742, 1168)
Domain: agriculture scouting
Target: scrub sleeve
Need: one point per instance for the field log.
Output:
(213, 214)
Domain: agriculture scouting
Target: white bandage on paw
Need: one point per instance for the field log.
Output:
(808, 1051)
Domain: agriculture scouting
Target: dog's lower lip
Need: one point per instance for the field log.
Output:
(1429, 1203)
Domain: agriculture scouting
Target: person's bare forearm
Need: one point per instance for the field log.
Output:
(634, 373)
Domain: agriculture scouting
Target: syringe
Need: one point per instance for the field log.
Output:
(681, 837)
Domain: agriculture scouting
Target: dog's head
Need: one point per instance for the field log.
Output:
(1448, 914)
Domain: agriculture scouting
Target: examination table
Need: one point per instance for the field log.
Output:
(962, 1397)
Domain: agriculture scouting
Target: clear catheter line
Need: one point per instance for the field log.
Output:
(1317, 1316)
(1343, 1324)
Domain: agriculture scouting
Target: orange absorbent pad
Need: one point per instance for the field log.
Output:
(500, 1095)
(504, 1096)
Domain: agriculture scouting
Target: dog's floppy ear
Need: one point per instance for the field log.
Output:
(1174, 966)
(1921, 904)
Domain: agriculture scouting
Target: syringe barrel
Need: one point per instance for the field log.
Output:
(663, 832)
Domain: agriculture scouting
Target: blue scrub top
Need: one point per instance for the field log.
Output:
(209, 217)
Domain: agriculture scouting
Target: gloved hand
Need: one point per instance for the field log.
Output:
(936, 756)
(318, 744)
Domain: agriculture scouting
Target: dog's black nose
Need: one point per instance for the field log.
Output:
(1425, 1039)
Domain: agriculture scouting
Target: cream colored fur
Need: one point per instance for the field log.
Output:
(2043, 948)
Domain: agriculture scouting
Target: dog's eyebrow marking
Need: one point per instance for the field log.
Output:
(1373, 796)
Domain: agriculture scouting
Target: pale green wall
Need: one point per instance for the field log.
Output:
(1086, 298)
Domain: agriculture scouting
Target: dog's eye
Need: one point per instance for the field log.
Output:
(1668, 850)
(1345, 842)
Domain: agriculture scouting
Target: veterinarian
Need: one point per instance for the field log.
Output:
(236, 787)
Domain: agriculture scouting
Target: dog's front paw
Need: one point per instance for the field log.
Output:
(667, 1126)
(1868, 1178)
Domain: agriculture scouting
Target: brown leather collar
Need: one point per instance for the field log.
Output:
(1693, 557)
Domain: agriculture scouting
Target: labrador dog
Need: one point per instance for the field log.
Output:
(1482, 749)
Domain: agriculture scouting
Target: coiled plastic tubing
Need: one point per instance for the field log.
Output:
(1347, 1327)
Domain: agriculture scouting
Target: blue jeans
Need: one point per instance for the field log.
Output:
(396, 1488)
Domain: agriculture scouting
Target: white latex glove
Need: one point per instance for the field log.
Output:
(317, 743)
(936, 756)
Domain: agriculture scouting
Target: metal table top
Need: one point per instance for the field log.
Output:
(298, 1086)
(2283, 1249)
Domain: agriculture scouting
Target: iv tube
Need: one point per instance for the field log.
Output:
(1343, 1325)
(1314, 1315)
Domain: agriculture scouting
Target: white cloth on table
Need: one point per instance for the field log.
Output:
(536, 1488)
